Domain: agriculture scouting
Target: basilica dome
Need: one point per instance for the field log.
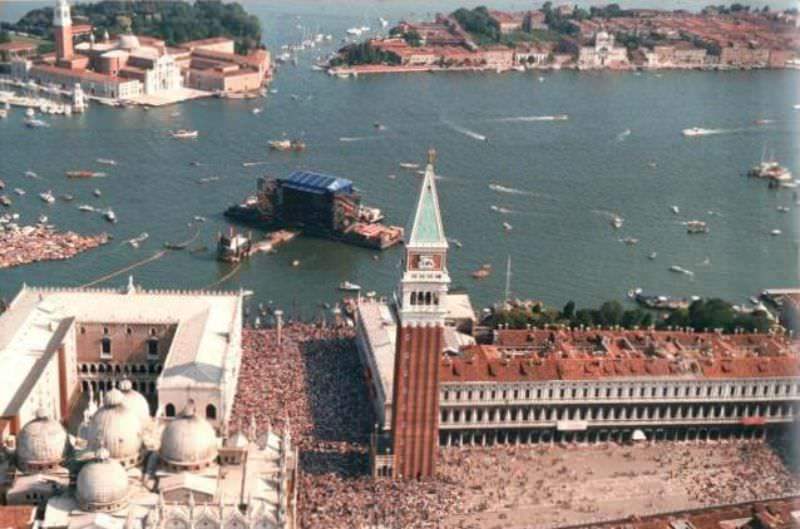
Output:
(102, 484)
(135, 401)
(128, 42)
(188, 442)
(41, 444)
(117, 428)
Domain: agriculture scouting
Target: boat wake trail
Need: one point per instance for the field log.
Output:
(466, 132)
(350, 139)
(510, 190)
(523, 119)
(624, 134)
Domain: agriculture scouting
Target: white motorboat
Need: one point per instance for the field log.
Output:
(42, 219)
(110, 216)
(408, 165)
(136, 241)
(617, 221)
(47, 196)
(680, 270)
(775, 232)
(97, 193)
(85, 207)
(675, 209)
(33, 123)
(652, 256)
(19, 191)
(507, 226)
(106, 161)
(697, 131)
(349, 287)
(184, 134)
(630, 241)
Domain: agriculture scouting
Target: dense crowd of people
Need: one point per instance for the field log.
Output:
(314, 380)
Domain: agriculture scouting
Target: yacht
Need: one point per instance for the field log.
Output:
(184, 134)
(47, 196)
(349, 287)
(696, 131)
(696, 226)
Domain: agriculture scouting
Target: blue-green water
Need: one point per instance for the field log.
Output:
(571, 175)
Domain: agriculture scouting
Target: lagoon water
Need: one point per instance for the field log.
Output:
(562, 180)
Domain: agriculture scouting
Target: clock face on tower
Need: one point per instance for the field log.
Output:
(426, 262)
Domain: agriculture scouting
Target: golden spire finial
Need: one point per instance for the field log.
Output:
(431, 156)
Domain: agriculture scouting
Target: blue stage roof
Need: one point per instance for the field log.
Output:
(317, 182)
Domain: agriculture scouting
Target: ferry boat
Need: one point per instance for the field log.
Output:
(349, 287)
(294, 145)
(184, 134)
(696, 131)
(47, 196)
(233, 247)
(696, 226)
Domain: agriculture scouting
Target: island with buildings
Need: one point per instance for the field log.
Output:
(126, 68)
(567, 36)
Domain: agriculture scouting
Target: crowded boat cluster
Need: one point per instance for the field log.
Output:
(21, 245)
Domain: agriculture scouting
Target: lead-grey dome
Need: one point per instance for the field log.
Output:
(188, 442)
(135, 401)
(102, 484)
(117, 428)
(41, 444)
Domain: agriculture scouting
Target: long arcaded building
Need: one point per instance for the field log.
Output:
(532, 386)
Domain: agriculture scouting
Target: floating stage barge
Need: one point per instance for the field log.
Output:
(318, 205)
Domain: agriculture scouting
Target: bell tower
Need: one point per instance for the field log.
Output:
(420, 337)
(62, 30)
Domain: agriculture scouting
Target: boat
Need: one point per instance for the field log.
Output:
(2, 185)
(383, 22)
(296, 263)
(208, 179)
(770, 170)
(47, 196)
(379, 126)
(31, 174)
(617, 221)
(507, 226)
(775, 232)
(175, 245)
(294, 145)
(652, 256)
(696, 131)
(106, 161)
(256, 111)
(696, 226)
(3, 113)
(85, 207)
(66, 197)
(630, 241)
(233, 247)
(97, 193)
(136, 241)
(680, 270)
(483, 272)
(29, 113)
(763, 121)
(349, 287)
(455, 242)
(19, 191)
(42, 219)
(408, 165)
(33, 123)
(796, 107)
(675, 209)
(5, 201)
(783, 209)
(661, 302)
(110, 216)
(355, 32)
(184, 134)
(84, 174)
(198, 218)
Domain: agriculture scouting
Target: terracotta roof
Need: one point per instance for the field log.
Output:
(16, 516)
(17, 46)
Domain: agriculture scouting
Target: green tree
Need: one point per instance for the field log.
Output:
(569, 310)
(610, 313)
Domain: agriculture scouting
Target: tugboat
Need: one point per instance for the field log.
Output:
(233, 247)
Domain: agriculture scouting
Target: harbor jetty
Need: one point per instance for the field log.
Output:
(21, 245)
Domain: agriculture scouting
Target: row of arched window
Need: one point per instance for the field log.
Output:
(424, 298)
(211, 411)
(119, 369)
